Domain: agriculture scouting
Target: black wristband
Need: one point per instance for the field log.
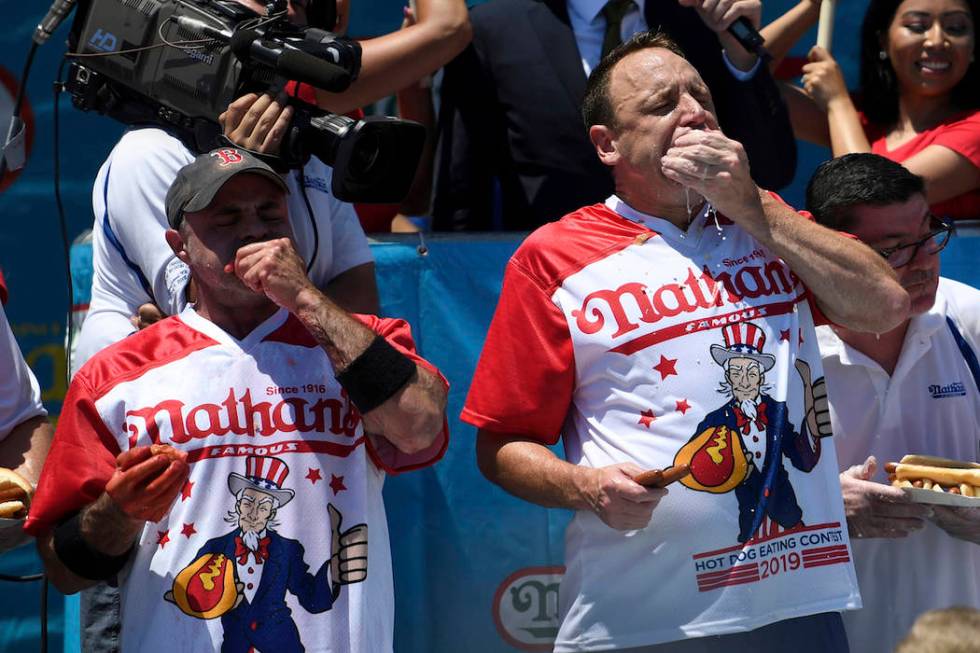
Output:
(374, 376)
(80, 558)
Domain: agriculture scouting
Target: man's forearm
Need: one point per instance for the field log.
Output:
(393, 61)
(340, 335)
(104, 528)
(845, 276)
(412, 417)
(26, 447)
(530, 470)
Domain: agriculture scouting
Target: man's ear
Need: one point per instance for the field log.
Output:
(177, 245)
(604, 140)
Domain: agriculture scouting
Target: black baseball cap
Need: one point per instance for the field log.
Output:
(200, 180)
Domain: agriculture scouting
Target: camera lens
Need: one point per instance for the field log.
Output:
(365, 156)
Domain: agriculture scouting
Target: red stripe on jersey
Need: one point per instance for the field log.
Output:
(155, 346)
(590, 234)
(277, 449)
(701, 324)
(292, 332)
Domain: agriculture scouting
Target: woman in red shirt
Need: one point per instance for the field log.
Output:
(919, 94)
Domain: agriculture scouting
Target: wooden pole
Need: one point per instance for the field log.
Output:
(825, 29)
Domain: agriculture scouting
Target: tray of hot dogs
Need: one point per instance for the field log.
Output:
(942, 481)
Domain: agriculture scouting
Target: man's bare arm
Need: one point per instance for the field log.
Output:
(105, 528)
(413, 417)
(393, 61)
(845, 275)
(26, 447)
(529, 470)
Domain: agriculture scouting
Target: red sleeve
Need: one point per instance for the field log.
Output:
(3, 289)
(79, 464)
(963, 137)
(383, 453)
(526, 373)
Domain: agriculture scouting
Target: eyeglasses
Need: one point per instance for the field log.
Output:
(934, 241)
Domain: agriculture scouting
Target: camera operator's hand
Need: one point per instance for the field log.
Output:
(146, 315)
(256, 122)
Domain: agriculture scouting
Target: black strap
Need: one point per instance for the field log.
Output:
(377, 374)
(80, 558)
(967, 351)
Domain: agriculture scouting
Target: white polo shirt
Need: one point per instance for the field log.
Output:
(930, 405)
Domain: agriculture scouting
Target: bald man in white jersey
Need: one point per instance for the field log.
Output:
(618, 324)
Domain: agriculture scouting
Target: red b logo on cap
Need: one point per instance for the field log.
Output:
(228, 156)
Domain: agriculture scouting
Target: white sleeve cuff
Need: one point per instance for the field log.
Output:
(740, 75)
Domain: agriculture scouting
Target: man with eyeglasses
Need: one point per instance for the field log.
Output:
(909, 390)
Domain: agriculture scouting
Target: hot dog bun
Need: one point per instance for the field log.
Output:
(15, 494)
(936, 474)
(936, 461)
(943, 475)
(168, 451)
(13, 510)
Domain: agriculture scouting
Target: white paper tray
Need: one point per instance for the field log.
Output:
(941, 498)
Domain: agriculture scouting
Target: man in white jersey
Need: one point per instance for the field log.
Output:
(912, 389)
(609, 333)
(25, 433)
(264, 375)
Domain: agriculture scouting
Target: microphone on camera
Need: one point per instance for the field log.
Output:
(747, 36)
(291, 63)
(56, 14)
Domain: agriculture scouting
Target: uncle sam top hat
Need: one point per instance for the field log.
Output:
(743, 340)
(265, 474)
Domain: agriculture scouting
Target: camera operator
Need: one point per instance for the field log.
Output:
(130, 268)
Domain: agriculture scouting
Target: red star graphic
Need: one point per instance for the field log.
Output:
(188, 530)
(801, 337)
(784, 335)
(337, 484)
(647, 418)
(683, 406)
(314, 475)
(185, 492)
(163, 537)
(666, 367)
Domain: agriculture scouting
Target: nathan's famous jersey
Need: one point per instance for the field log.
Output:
(282, 481)
(638, 342)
